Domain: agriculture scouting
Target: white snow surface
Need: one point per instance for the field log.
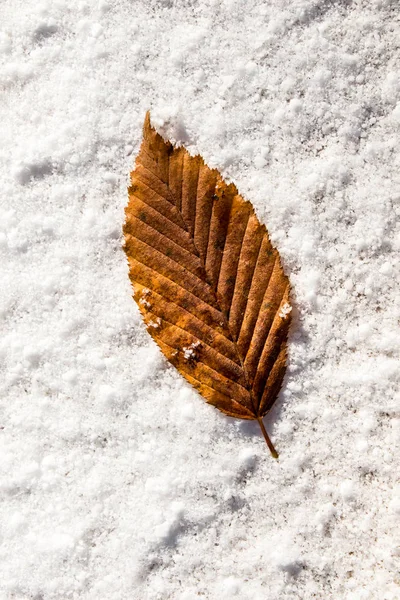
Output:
(117, 481)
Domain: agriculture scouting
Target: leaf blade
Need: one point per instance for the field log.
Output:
(209, 284)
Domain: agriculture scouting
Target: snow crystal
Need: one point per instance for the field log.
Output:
(155, 324)
(189, 352)
(145, 303)
(285, 310)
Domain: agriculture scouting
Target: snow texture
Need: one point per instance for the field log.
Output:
(117, 482)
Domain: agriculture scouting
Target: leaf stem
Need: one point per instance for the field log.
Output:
(266, 437)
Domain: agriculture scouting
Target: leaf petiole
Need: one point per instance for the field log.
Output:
(266, 437)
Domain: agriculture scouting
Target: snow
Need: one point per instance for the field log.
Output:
(116, 480)
(285, 310)
(189, 352)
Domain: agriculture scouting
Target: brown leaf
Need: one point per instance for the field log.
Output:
(208, 282)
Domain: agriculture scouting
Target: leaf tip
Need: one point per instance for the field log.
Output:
(147, 124)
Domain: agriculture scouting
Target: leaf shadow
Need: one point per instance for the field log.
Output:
(251, 429)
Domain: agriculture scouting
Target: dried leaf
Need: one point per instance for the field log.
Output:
(208, 282)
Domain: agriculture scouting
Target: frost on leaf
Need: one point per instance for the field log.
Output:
(285, 310)
(208, 282)
(191, 352)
